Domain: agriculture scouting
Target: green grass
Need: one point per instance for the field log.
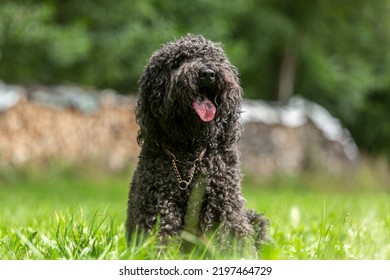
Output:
(68, 212)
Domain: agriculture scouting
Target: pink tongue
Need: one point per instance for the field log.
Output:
(204, 108)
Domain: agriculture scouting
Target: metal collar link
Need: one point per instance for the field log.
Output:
(184, 184)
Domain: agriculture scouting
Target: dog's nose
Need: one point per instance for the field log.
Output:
(207, 75)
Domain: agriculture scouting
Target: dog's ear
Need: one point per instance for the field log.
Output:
(232, 95)
(233, 127)
(149, 108)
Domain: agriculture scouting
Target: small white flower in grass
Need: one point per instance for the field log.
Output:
(295, 216)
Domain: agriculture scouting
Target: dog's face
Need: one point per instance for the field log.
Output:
(189, 93)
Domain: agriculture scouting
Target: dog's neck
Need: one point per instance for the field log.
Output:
(182, 152)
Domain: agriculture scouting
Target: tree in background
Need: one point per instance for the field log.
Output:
(333, 52)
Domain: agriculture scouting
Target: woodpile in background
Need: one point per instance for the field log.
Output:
(38, 124)
(32, 130)
(299, 136)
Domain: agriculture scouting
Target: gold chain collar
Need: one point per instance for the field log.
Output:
(183, 184)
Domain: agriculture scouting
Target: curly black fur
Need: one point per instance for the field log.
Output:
(172, 81)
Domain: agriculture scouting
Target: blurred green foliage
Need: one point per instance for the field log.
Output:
(333, 52)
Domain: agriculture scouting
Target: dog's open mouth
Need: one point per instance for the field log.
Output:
(204, 108)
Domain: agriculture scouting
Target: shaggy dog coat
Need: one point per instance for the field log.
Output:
(188, 174)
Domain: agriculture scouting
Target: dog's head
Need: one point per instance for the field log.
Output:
(189, 93)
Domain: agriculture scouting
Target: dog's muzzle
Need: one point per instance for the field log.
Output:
(206, 76)
(202, 105)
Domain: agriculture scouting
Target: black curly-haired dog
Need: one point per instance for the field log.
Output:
(188, 174)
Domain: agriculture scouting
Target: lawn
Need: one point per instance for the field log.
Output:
(73, 212)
